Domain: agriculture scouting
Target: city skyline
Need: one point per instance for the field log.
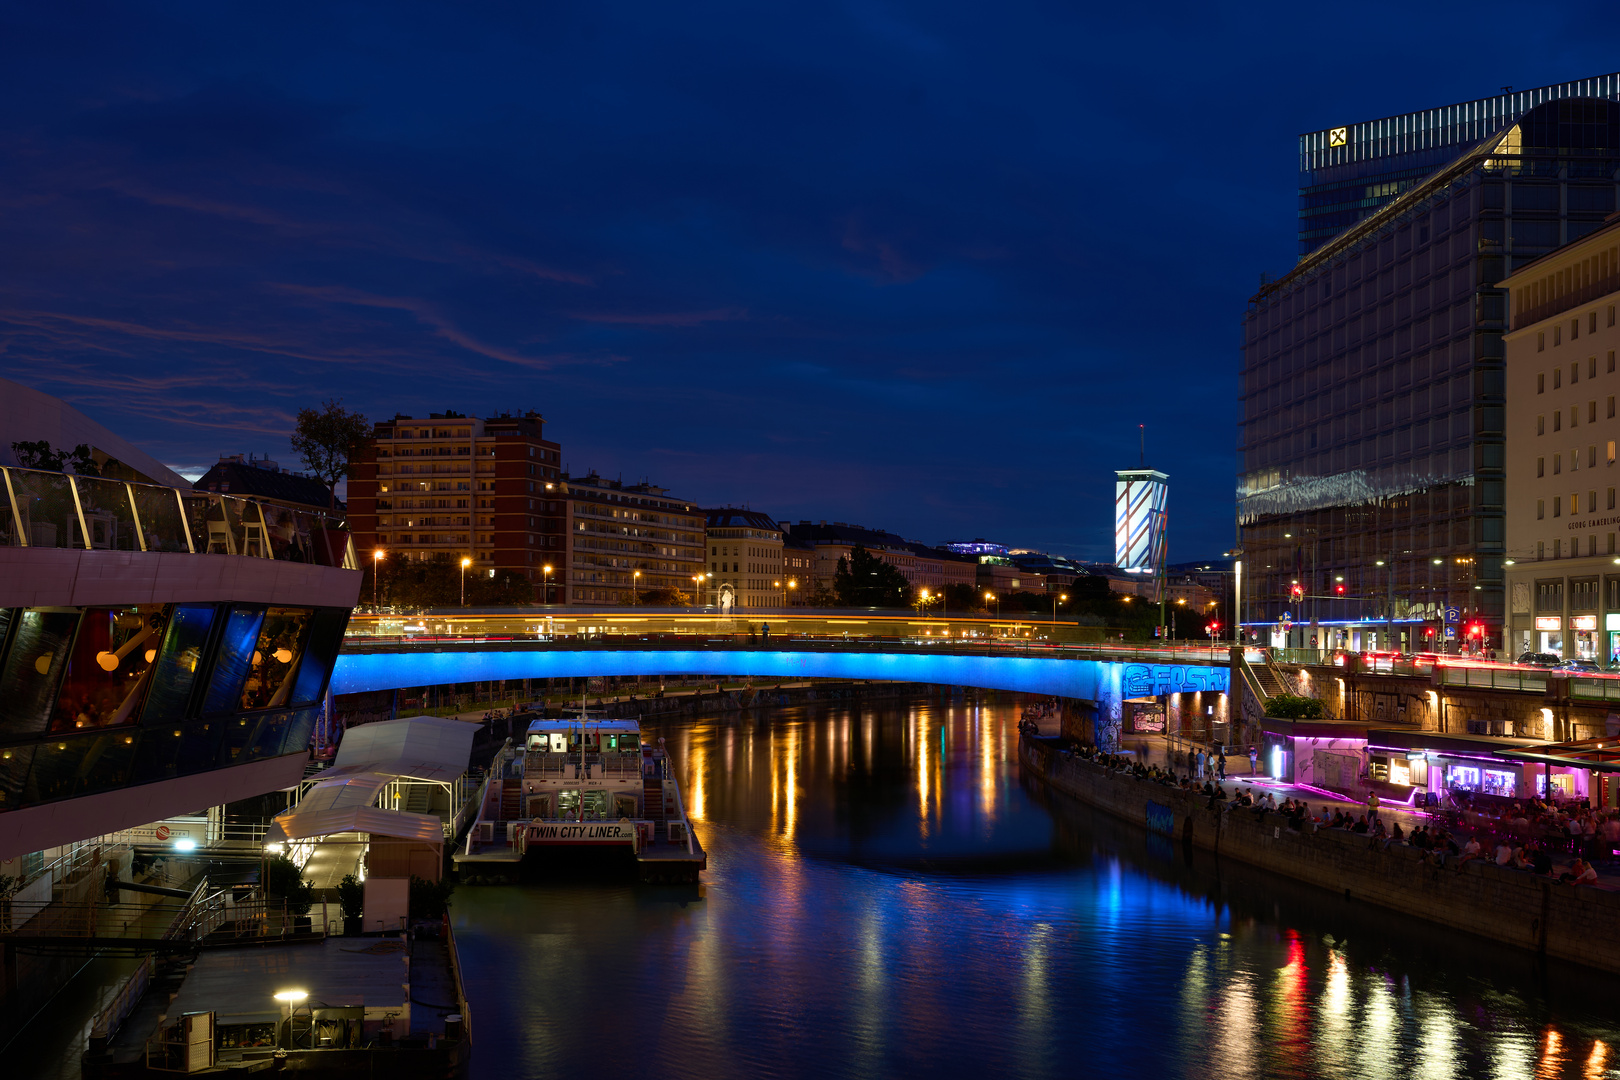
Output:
(886, 286)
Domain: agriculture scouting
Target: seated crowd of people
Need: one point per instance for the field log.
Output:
(1439, 847)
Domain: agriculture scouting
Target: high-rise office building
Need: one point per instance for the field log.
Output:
(1371, 443)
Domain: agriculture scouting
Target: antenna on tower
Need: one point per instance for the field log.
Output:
(1142, 461)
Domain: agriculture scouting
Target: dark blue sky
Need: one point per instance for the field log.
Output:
(922, 267)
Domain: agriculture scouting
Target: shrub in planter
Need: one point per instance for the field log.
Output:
(1294, 707)
(283, 880)
(429, 899)
(352, 899)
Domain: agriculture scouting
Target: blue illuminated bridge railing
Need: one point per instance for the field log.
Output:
(1087, 672)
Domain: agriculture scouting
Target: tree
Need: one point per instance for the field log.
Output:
(329, 439)
(665, 597)
(414, 584)
(1294, 707)
(820, 596)
(39, 455)
(864, 580)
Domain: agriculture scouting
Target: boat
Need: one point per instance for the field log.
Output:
(577, 784)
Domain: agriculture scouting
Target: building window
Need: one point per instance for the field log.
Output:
(1541, 341)
(1591, 326)
(1574, 373)
(1591, 412)
(1558, 464)
(1591, 457)
(1574, 503)
(1611, 498)
(1591, 501)
(1558, 420)
(1541, 509)
(1541, 425)
(1558, 545)
(1591, 367)
(1558, 506)
(1541, 382)
(1541, 467)
(1541, 549)
(1575, 328)
(1574, 416)
(1558, 339)
(1611, 451)
(1611, 407)
(1558, 377)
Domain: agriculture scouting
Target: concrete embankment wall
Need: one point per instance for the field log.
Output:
(1573, 923)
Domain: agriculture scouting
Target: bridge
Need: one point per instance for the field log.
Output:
(1101, 672)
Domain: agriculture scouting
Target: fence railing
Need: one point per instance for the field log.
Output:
(109, 1019)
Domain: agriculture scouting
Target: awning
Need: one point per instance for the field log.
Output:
(370, 758)
(1599, 755)
(303, 824)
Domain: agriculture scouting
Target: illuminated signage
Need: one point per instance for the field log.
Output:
(1583, 622)
(1338, 136)
(1139, 519)
(1547, 622)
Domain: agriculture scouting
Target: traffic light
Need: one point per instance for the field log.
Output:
(1297, 592)
(1476, 630)
(1338, 590)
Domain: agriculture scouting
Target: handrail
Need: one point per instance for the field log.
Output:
(109, 1019)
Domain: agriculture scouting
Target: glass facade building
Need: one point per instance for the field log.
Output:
(1371, 443)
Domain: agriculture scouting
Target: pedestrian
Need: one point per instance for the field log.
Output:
(1201, 761)
(1254, 761)
(1220, 766)
(1372, 805)
(765, 631)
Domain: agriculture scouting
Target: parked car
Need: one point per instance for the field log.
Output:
(1538, 659)
(1582, 667)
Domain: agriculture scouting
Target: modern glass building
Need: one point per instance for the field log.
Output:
(161, 650)
(1371, 447)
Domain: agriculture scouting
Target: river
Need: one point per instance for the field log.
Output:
(886, 898)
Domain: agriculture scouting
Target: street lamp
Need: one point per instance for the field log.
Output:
(634, 587)
(376, 564)
(546, 571)
(989, 596)
(1058, 598)
(465, 562)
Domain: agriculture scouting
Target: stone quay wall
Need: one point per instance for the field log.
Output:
(1573, 923)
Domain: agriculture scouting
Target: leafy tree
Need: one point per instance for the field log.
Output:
(40, 455)
(820, 595)
(665, 597)
(864, 580)
(329, 439)
(436, 582)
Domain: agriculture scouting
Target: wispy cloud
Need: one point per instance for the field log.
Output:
(673, 318)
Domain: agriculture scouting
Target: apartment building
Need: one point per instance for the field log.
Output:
(745, 560)
(458, 486)
(627, 540)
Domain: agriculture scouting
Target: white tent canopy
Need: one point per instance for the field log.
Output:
(371, 757)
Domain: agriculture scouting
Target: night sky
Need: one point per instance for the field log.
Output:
(920, 267)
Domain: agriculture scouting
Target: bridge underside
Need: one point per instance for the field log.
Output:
(1091, 680)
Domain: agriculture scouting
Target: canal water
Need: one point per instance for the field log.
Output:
(885, 897)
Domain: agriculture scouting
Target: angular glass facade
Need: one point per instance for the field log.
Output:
(1371, 445)
(102, 698)
(1347, 173)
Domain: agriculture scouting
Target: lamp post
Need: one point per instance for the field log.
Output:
(376, 565)
(291, 999)
(634, 587)
(989, 596)
(465, 562)
(546, 577)
(1058, 598)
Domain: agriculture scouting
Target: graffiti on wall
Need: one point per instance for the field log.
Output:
(1150, 680)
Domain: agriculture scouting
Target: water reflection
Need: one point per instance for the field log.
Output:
(884, 898)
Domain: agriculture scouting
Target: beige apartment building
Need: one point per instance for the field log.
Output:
(745, 560)
(626, 540)
(1562, 568)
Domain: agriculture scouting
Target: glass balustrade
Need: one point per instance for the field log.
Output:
(62, 510)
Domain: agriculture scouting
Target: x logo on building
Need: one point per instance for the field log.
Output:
(1338, 136)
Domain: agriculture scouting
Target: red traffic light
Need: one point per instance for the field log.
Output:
(1339, 589)
(1476, 630)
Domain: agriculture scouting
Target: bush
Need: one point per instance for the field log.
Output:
(351, 896)
(430, 899)
(1294, 707)
(284, 880)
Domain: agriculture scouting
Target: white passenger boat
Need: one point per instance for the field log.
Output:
(579, 783)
